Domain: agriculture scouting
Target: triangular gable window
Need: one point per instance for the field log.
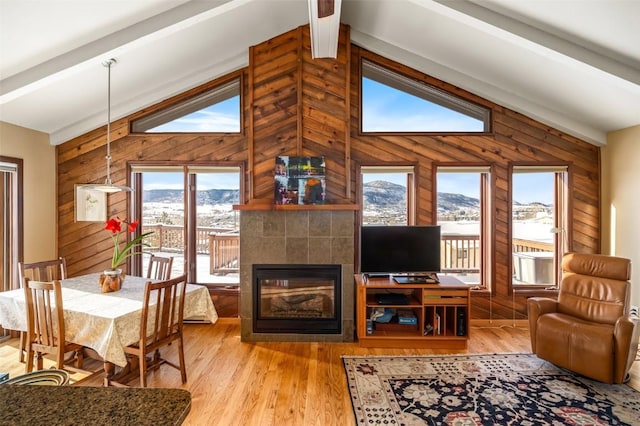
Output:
(394, 103)
(214, 111)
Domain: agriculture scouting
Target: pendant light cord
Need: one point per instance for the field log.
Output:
(108, 186)
(108, 64)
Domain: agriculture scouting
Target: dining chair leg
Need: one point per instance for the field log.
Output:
(80, 358)
(143, 370)
(39, 361)
(183, 367)
(23, 347)
(29, 361)
(76, 358)
(60, 359)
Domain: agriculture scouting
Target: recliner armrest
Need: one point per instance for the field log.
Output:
(537, 306)
(626, 333)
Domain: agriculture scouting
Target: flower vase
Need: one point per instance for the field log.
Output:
(111, 280)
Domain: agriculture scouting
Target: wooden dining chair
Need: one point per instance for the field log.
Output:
(47, 270)
(160, 325)
(45, 326)
(159, 267)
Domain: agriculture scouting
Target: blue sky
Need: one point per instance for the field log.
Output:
(527, 187)
(204, 181)
(532, 187)
(220, 117)
(385, 108)
(389, 109)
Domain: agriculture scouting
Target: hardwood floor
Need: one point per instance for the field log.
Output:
(235, 383)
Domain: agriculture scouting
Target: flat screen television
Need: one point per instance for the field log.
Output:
(399, 249)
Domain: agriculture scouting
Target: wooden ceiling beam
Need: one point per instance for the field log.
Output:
(324, 19)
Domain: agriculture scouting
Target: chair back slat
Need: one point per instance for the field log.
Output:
(48, 270)
(45, 327)
(159, 267)
(160, 325)
(167, 314)
(45, 318)
(45, 271)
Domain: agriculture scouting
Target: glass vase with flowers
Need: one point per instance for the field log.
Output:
(111, 279)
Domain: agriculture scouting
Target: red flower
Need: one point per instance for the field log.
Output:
(133, 225)
(121, 254)
(113, 225)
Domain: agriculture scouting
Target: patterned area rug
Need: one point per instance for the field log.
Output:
(497, 389)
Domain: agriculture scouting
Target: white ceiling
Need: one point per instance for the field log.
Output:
(572, 64)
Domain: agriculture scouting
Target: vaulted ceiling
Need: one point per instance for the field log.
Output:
(574, 65)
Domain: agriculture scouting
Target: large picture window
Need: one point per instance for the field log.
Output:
(464, 216)
(215, 111)
(539, 224)
(11, 224)
(387, 195)
(189, 208)
(392, 102)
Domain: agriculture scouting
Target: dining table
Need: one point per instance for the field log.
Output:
(104, 322)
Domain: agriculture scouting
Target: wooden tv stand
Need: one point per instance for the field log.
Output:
(442, 312)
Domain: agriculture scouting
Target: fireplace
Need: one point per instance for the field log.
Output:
(297, 299)
(304, 239)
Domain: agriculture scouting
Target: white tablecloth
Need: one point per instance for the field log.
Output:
(104, 322)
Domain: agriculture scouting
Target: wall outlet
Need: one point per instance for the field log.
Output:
(634, 311)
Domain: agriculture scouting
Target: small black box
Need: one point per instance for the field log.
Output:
(461, 323)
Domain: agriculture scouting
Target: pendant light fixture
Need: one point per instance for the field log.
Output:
(108, 186)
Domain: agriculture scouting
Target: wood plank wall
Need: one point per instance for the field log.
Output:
(299, 109)
(86, 246)
(515, 139)
(293, 105)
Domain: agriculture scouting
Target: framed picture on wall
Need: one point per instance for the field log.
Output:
(300, 180)
(90, 204)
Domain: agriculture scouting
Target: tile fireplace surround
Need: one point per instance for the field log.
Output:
(296, 237)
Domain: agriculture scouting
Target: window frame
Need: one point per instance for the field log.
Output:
(487, 222)
(188, 170)
(13, 222)
(412, 179)
(425, 91)
(171, 107)
(563, 213)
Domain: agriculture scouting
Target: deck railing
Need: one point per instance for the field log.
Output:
(170, 238)
(224, 252)
(222, 245)
(520, 245)
(459, 253)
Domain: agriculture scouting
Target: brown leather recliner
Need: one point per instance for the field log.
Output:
(588, 329)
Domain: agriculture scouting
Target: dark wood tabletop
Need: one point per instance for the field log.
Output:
(80, 405)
